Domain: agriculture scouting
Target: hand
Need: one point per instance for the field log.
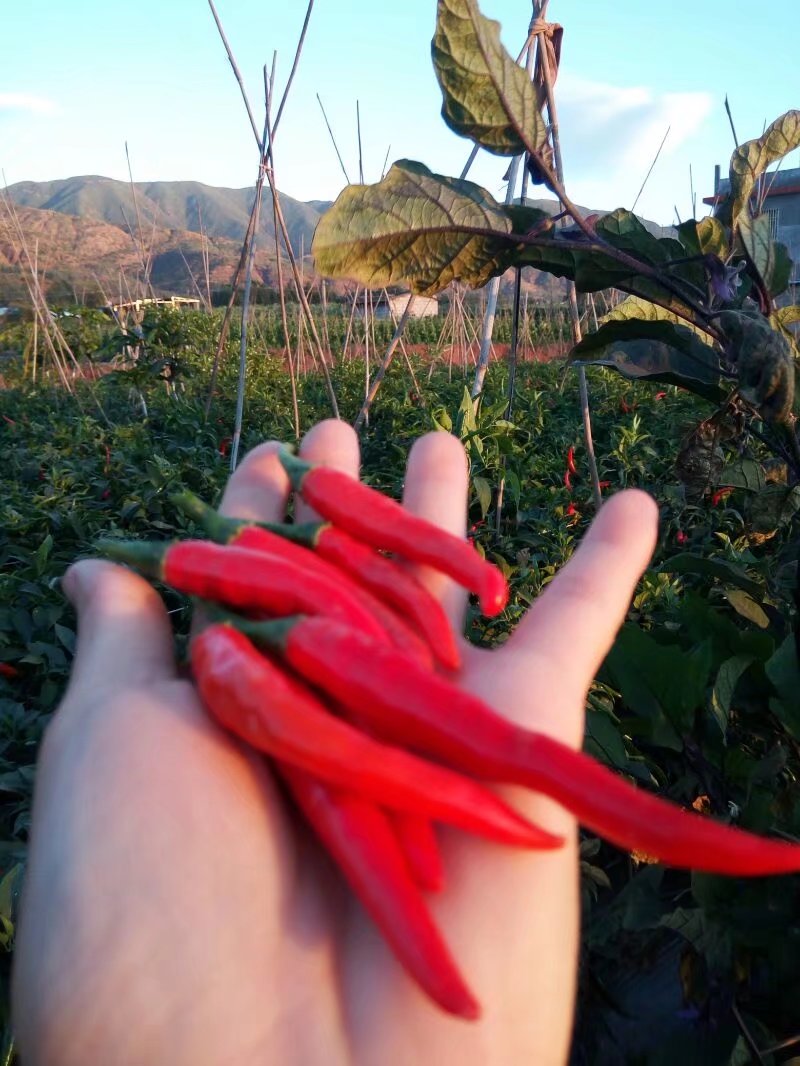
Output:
(176, 912)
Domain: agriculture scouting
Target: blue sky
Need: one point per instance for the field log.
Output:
(79, 79)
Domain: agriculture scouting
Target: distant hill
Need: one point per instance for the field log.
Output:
(85, 229)
(77, 256)
(188, 206)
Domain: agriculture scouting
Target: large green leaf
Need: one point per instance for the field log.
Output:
(487, 96)
(783, 670)
(706, 237)
(657, 351)
(592, 268)
(728, 678)
(634, 307)
(769, 258)
(712, 237)
(659, 680)
(763, 358)
(623, 230)
(751, 159)
(414, 226)
(687, 563)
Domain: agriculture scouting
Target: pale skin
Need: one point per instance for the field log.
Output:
(176, 912)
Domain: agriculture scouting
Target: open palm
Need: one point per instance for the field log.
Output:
(176, 911)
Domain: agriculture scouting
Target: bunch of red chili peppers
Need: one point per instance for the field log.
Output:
(343, 669)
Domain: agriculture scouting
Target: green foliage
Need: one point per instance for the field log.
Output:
(487, 96)
(695, 699)
(415, 226)
(653, 349)
(751, 159)
(429, 230)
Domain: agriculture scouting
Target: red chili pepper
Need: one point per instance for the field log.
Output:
(405, 705)
(681, 537)
(659, 396)
(567, 480)
(383, 523)
(719, 496)
(334, 552)
(418, 843)
(360, 838)
(605, 484)
(401, 635)
(256, 700)
(9, 671)
(243, 579)
(224, 446)
(571, 509)
(571, 461)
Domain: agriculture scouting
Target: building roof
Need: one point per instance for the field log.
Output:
(782, 183)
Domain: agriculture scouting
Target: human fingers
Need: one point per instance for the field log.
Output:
(572, 625)
(330, 443)
(124, 635)
(436, 489)
(259, 487)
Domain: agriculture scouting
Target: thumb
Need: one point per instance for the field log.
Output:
(124, 635)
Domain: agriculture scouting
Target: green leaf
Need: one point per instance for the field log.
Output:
(414, 226)
(483, 490)
(687, 563)
(788, 316)
(712, 237)
(728, 677)
(487, 96)
(513, 486)
(751, 159)
(744, 474)
(764, 363)
(657, 351)
(778, 282)
(658, 680)
(747, 607)
(623, 230)
(634, 307)
(756, 236)
(783, 671)
(524, 218)
(603, 740)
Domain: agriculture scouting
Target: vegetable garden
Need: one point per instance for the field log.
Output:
(691, 380)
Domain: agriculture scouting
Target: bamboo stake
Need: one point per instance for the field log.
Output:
(226, 319)
(381, 373)
(573, 300)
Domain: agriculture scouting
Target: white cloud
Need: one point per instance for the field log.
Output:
(28, 103)
(620, 128)
(610, 136)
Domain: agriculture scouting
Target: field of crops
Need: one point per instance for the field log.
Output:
(698, 698)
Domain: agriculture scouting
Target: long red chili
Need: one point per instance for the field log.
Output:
(244, 579)
(428, 713)
(383, 523)
(420, 848)
(359, 837)
(388, 582)
(254, 699)
(258, 537)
